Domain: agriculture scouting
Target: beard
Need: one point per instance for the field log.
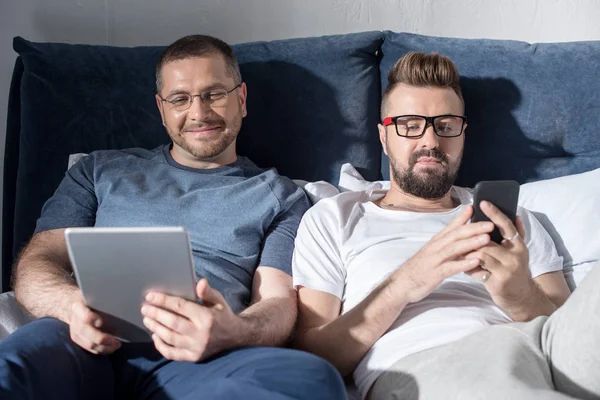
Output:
(429, 183)
(209, 148)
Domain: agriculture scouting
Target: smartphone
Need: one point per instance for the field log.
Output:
(502, 194)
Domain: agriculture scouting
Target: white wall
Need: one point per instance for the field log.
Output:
(155, 22)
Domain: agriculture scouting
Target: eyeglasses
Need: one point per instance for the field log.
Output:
(211, 98)
(414, 126)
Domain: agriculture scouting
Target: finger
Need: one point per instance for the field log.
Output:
(208, 295)
(487, 261)
(520, 227)
(167, 318)
(478, 273)
(167, 335)
(175, 304)
(96, 336)
(455, 249)
(504, 224)
(170, 352)
(452, 268)
(85, 315)
(83, 342)
(461, 219)
(94, 348)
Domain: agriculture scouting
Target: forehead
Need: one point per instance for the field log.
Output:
(195, 73)
(428, 101)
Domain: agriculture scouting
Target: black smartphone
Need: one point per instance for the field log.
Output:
(502, 194)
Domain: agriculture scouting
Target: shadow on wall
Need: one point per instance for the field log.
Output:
(295, 123)
(496, 147)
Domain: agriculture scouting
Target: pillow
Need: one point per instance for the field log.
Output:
(317, 190)
(568, 207)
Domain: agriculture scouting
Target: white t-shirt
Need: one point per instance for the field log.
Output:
(346, 246)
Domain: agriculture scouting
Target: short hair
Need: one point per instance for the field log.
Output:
(198, 46)
(422, 70)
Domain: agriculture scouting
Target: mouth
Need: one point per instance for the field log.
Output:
(428, 161)
(203, 131)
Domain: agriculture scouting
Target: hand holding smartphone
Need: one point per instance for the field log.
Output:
(502, 194)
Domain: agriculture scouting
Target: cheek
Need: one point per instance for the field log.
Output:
(453, 148)
(175, 120)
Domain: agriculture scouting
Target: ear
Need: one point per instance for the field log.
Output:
(242, 96)
(383, 137)
(159, 104)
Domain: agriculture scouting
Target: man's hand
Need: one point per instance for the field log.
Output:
(509, 282)
(443, 256)
(186, 331)
(84, 328)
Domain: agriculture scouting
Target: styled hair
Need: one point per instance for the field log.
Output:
(198, 46)
(422, 70)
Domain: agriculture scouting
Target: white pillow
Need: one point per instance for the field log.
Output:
(317, 190)
(568, 207)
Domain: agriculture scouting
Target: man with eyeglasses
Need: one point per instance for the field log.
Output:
(242, 221)
(398, 290)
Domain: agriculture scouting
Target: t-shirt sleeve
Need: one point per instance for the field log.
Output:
(543, 257)
(317, 263)
(278, 243)
(74, 203)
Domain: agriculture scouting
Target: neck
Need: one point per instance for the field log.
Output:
(396, 198)
(186, 159)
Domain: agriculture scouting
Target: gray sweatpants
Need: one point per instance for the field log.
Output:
(556, 357)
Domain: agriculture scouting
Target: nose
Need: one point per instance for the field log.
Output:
(198, 109)
(429, 140)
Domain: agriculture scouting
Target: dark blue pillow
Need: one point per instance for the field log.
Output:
(312, 106)
(532, 108)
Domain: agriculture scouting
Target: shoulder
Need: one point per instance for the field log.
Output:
(100, 157)
(285, 191)
(337, 209)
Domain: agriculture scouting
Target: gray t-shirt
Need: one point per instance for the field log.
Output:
(238, 216)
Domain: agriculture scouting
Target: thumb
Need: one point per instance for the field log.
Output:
(520, 227)
(208, 295)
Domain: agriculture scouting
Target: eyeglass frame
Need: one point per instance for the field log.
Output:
(428, 121)
(200, 96)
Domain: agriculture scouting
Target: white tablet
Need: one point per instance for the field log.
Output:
(116, 267)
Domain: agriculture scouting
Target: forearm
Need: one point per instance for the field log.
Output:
(345, 340)
(268, 322)
(43, 284)
(532, 306)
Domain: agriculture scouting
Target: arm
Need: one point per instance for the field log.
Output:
(44, 286)
(42, 279)
(272, 315)
(547, 293)
(345, 339)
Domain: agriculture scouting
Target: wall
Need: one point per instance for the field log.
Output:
(140, 22)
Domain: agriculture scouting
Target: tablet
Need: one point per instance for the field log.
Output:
(116, 267)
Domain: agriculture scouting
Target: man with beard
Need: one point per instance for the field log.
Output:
(242, 221)
(400, 291)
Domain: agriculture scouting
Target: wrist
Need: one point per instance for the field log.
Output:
(532, 304)
(67, 310)
(395, 289)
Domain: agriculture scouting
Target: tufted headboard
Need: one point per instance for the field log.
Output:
(313, 104)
